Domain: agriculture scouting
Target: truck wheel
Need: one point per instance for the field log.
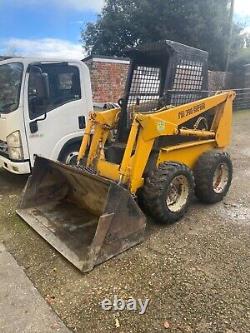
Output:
(213, 176)
(168, 191)
(70, 153)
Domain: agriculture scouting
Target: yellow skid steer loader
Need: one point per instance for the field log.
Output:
(166, 142)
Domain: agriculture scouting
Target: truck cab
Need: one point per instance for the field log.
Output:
(44, 106)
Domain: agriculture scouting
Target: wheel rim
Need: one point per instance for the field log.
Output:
(178, 193)
(221, 177)
(71, 159)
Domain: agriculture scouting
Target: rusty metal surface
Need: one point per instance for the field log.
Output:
(88, 219)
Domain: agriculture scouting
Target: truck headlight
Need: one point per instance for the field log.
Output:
(14, 143)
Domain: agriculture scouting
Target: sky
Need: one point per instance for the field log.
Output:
(51, 28)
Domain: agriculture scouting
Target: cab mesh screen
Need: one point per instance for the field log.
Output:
(188, 81)
(145, 88)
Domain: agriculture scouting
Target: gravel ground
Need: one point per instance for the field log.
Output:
(196, 273)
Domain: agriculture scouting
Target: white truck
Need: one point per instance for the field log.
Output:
(44, 106)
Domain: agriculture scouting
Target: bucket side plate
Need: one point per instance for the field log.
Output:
(86, 218)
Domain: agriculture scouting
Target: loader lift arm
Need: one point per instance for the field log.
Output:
(146, 128)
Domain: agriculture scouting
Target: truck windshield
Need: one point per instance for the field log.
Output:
(10, 86)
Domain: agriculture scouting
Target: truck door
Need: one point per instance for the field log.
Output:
(56, 108)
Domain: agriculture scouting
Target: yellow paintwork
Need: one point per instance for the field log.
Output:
(187, 153)
(99, 123)
(108, 170)
(147, 127)
(125, 165)
(86, 139)
(198, 133)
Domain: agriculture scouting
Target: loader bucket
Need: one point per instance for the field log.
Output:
(87, 218)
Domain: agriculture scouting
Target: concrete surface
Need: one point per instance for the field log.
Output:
(195, 272)
(22, 309)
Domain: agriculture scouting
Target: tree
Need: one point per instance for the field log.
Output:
(246, 37)
(126, 23)
(241, 56)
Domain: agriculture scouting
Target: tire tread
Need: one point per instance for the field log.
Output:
(155, 186)
(203, 173)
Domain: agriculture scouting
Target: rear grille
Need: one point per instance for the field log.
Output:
(3, 148)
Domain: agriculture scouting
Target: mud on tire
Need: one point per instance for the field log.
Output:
(167, 192)
(213, 176)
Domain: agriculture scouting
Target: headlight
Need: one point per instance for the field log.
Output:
(14, 143)
(14, 140)
(16, 154)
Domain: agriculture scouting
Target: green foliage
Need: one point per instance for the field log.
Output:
(242, 58)
(126, 23)
(247, 40)
(241, 54)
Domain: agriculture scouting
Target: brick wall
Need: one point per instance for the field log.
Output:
(108, 78)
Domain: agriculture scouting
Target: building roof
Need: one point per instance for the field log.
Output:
(99, 58)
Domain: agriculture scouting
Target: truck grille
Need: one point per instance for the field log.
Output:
(3, 148)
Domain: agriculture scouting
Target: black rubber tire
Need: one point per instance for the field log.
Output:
(71, 149)
(154, 192)
(204, 173)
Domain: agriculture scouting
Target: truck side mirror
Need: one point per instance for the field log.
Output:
(34, 124)
(33, 127)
